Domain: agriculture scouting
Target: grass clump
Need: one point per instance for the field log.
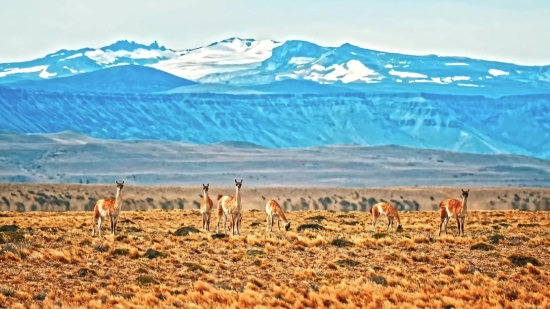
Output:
(147, 280)
(482, 246)
(380, 235)
(311, 226)
(523, 260)
(153, 254)
(254, 252)
(347, 262)
(9, 228)
(121, 252)
(380, 280)
(340, 242)
(186, 230)
(317, 218)
(195, 267)
(219, 236)
(11, 237)
(495, 239)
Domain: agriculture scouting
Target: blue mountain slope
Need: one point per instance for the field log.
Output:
(125, 79)
(517, 125)
(293, 86)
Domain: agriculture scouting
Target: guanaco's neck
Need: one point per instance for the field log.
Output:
(238, 196)
(281, 214)
(464, 204)
(118, 199)
(206, 195)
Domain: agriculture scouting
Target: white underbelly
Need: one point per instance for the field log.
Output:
(381, 211)
(449, 213)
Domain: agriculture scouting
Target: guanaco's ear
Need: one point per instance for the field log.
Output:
(117, 182)
(123, 182)
(468, 190)
(235, 180)
(203, 185)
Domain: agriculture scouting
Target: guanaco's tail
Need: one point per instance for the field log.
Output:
(219, 196)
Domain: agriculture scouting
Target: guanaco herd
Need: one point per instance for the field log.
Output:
(230, 207)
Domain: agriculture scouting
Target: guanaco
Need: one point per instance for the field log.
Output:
(387, 209)
(219, 212)
(108, 208)
(232, 207)
(454, 208)
(273, 209)
(206, 208)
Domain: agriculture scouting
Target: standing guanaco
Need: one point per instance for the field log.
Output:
(232, 207)
(108, 208)
(454, 208)
(206, 208)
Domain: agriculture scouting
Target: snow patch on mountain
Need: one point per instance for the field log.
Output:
(226, 56)
(109, 56)
(350, 71)
(39, 68)
(496, 72)
(407, 74)
(73, 56)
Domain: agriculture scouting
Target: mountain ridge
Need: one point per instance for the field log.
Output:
(477, 124)
(120, 79)
(250, 62)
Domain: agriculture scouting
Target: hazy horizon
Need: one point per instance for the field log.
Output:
(492, 30)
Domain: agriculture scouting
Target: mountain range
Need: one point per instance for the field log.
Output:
(281, 95)
(238, 65)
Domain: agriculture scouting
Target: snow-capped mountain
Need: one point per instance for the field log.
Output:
(129, 90)
(250, 63)
(190, 64)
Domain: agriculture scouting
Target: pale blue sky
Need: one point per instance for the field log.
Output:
(505, 30)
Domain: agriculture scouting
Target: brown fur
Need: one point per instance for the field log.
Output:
(232, 208)
(108, 209)
(219, 211)
(273, 209)
(454, 208)
(387, 209)
(206, 208)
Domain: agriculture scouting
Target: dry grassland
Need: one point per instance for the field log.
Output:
(77, 197)
(50, 260)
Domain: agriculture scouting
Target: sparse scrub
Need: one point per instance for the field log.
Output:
(338, 266)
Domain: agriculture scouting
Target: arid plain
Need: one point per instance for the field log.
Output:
(329, 258)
